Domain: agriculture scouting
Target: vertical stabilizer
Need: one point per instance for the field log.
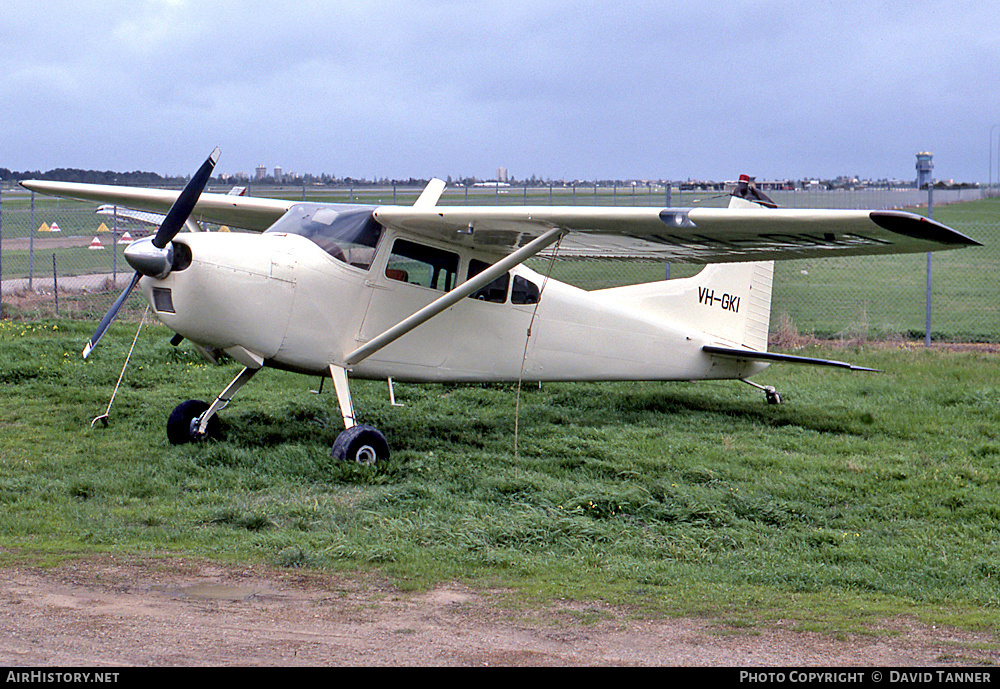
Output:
(729, 301)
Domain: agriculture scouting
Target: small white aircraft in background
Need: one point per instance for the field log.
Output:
(431, 293)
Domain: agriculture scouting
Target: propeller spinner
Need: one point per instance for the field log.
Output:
(153, 257)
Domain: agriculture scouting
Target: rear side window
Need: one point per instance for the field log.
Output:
(417, 264)
(496, 291)
(524, 291)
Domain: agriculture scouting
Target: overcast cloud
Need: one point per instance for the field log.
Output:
(649, 90)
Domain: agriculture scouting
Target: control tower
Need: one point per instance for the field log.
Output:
(925, 163)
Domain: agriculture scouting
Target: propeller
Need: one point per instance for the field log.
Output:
(154, 257)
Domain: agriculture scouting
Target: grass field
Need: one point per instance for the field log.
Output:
(865, 496)
(885, 297)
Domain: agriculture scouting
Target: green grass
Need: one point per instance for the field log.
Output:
(865, 496)
(69, 261)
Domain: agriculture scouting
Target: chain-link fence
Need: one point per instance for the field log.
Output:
(65, 258)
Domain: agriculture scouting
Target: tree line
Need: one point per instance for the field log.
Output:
(63, 174)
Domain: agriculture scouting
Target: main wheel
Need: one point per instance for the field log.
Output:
(182, 425)
(362, 444)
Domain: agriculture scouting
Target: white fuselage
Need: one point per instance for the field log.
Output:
(280, 300)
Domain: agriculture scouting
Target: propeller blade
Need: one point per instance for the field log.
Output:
(172, 224)
(179, 212)
(110, 315)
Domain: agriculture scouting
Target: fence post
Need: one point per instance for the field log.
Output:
(31, 247)
(114, 249)
(1, 244)
(930, 215)
(55, 284)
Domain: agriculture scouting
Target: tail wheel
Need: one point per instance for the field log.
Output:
(182, 426)
(361, 444)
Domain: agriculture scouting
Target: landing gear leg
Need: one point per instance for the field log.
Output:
(195, 420)
(770, 393)
(359, 443)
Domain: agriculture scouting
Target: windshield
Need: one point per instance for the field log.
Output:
(348, 233)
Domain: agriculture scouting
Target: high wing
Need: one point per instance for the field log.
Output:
(145, 218)
(247, 212)
(676, 235)
(699, 235)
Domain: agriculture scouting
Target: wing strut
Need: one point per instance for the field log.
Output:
(454, 296)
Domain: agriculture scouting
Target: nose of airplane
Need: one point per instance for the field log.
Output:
(172, 223)
(149, 259)
(219, 290)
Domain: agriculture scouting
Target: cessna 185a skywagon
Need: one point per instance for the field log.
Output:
(435, 293)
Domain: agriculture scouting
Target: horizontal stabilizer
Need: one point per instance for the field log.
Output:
(750, 355)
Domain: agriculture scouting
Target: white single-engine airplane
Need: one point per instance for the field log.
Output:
(439, 293)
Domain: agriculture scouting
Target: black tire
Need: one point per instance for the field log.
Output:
(180, 425)
(361, 444)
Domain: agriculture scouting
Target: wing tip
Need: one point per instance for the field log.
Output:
(919, 227)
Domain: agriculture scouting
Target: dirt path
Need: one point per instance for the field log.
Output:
(173, 612)
(54, 242)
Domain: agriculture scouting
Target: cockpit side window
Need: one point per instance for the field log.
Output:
(422, 265)
(496, 291)
(349, 234)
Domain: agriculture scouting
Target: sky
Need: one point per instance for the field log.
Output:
(555, 90)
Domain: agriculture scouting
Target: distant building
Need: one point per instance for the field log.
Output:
(261, 173)
(925, 163)
(279, 174)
